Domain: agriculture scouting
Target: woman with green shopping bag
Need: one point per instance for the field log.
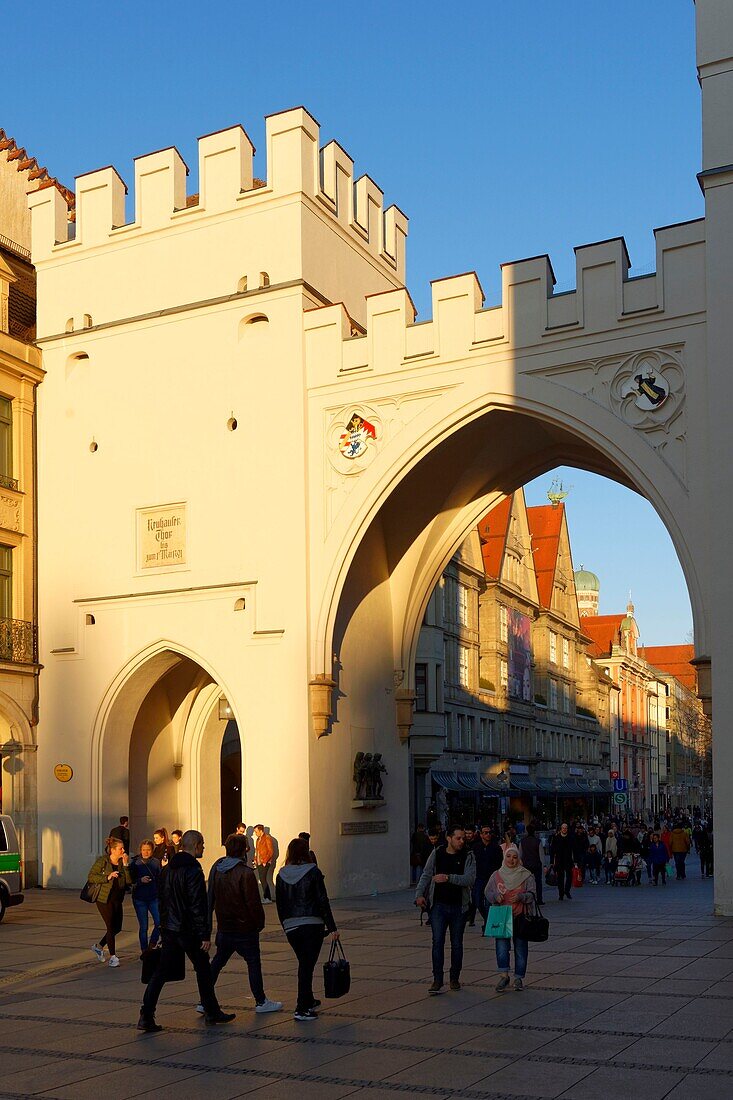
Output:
(510, 892)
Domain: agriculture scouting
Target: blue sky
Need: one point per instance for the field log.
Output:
(502, 129)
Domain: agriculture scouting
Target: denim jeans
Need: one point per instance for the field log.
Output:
(521, 953)
(660, 869)
(679, 862)
(247, 945)
(442, 918)
(479, 898)
(142, 908)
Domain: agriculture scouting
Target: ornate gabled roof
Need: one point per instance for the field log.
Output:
(492, 530)
(36, 174)
(605, 630)
(545, 525)
(674, 660)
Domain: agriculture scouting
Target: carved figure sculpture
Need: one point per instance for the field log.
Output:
(378, 769)
(359, 777)
(365, 785)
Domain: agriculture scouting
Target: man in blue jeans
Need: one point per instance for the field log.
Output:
(444, 890)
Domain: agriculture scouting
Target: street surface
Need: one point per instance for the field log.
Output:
(633, 994)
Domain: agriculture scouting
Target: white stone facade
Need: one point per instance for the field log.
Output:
(153, 346)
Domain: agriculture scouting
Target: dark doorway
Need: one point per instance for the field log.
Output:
(231, 780)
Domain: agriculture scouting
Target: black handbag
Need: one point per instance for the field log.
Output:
(336, 972)
(532, 926)
(150, 959)
(90, 892)
(171, 957)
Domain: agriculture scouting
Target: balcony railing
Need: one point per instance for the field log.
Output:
(8, 482)
(18, 641)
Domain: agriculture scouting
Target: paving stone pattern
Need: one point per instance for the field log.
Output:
(633, 993)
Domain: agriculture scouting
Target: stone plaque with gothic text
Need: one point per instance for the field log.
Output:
(161, 536)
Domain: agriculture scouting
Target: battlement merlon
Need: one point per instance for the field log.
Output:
(606, 299)
(295, 165)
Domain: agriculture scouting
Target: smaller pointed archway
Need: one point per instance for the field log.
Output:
(169, 755)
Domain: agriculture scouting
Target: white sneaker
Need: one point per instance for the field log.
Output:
(200, 1009)
(98, 951)
(267, 901)
(113, 961)
(269, 1006)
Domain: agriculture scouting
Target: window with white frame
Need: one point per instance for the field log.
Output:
(421, 687)
(504, 673)
(566, 698)
(463, 660)
(553, 694)
(553, 647)
(462, 604)
(503, 623)
(565, 653)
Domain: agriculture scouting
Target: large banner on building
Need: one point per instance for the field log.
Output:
(520, 656)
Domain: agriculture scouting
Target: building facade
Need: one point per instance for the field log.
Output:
(526, 716)
(685, 748)
(372, 442)
(20, 374)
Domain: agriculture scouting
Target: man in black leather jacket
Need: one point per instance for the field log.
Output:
(185, 927)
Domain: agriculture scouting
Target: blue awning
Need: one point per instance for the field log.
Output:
(448, 780)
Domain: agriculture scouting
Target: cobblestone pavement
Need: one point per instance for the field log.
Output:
(633, 992)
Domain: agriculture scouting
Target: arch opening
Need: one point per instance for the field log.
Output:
(396, 558)
(168, 757)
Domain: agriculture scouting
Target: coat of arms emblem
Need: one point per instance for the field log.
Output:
(354, 441)
(649, 390)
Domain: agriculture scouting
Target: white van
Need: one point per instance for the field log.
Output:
(10, 867)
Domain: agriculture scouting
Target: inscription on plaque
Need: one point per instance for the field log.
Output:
(161, 536)
(363, 828)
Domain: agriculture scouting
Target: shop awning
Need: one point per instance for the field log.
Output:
(524, 784)
(470, 780)
(448, 780)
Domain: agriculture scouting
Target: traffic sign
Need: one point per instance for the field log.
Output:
(620, 784)
(614, 775)
(620, 798)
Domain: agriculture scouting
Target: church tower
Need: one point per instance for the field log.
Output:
(587, 587)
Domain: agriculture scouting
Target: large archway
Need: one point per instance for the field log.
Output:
(419, 516)
(161, 743)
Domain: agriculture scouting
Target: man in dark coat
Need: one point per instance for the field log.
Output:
(185, 926)
(562, 860)
(235, 897)
(530, 851)
(489, 857)
(122, 832)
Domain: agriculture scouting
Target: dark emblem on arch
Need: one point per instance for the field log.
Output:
(649, 387)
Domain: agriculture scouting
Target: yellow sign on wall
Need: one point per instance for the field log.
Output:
(63, 772)
(161, 536)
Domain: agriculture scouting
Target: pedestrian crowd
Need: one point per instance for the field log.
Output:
(459, 873)
(168, 887)
(500, 874)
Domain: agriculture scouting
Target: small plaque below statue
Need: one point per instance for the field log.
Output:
(363, 828)
(368, 772)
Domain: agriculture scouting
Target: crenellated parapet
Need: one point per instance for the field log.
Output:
(606, 299)
(296, 165)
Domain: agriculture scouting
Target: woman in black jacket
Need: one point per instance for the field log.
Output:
(305, 914)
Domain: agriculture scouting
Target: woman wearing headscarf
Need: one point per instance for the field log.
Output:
(512, 885)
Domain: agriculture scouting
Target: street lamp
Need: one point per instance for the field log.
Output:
(11, 749)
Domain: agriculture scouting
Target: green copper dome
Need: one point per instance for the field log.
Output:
(586, 581)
